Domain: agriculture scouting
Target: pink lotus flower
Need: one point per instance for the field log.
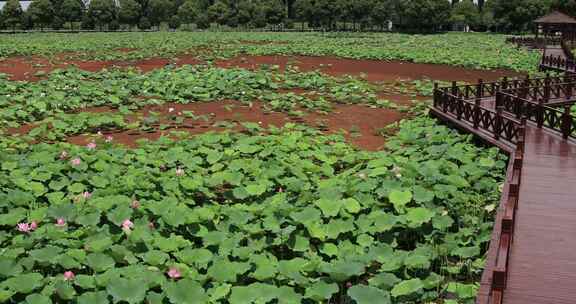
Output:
(127, 225)
(75, 162)
(348, 284)
(362, 175)
(170, 110)
(151, 225)
(91, 146)
(60, 222)
(109, 139)
(33, 225)
(86, 195)
(179, 172)
(24, 227)
(135, 204)
(174, 273)
(63, 155)
(69, 276)
(280, 190)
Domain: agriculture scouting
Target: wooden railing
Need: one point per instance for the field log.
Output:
(499, 126)
(489, 89)
(533, 42)
(549, 92)
(495, 275)
(558, 63)
(544, 116)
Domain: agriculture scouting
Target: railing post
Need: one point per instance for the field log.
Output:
(454, 88)
(524, 89)
(504, 84)
(467, 93)
(476, 119)
(566, 122)
(547, 88)
(517, 108)
(445, 98)
(436, 94)
(480, 89)
(540, 114)
(498, 123)
(459, 108)
(521, 137)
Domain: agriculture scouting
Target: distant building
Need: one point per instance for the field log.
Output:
(23, 4)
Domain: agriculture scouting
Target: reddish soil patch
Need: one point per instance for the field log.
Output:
(27, 68)
(374, 70)
(359, 123)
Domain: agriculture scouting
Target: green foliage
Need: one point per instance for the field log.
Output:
(41, 11)
(129, 12)
(482, 51)
(395, 219)
(517, 15)
(189, 11)
(159, 11)
(11, 13)
(102, 11)
(72, 10)
(467, 13)
(426, 14)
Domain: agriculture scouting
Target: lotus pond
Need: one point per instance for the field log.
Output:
(216, 210)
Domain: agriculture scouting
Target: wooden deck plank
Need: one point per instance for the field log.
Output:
(543, 254)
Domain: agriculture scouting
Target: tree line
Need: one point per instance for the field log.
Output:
(416, 15)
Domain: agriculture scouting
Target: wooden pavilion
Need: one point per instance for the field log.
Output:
(556, 25)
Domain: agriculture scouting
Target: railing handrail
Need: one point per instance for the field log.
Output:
(494, 122)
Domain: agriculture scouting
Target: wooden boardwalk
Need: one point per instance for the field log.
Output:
(542, 263)
(532, 255)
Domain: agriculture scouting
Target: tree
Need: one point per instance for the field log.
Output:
(487, 16)
(381, 12)
(12, 13)
(174, 22)
(318, 13)
(27, 22)
(129, 12)
(246, 12)
(87, 23)
(426, 15)
(102, 11)
(72, 11)
(41, 12)
(188, 11)
(219, 12)
(144, 24)
(159, 11)
(57, 23)
(289, 4)
(565, 6)
(517, 15)
(274, 11)
(466, 13)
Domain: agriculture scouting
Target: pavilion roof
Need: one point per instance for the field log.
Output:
(556, 17)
